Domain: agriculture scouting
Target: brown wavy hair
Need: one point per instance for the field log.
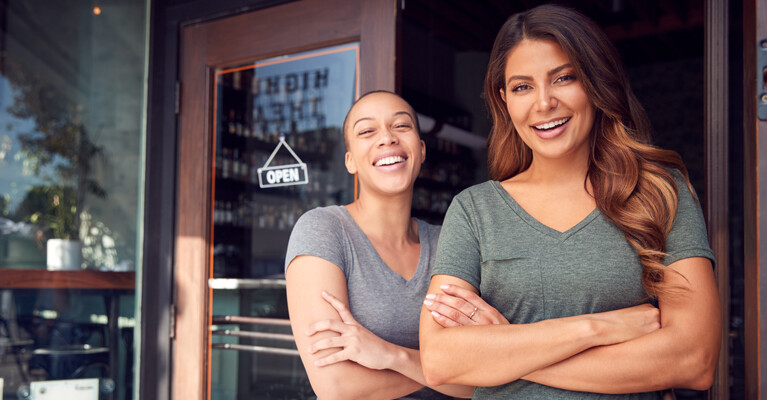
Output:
(632, 180)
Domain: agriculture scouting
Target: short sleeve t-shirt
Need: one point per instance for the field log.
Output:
(531, 272)
(380, 299)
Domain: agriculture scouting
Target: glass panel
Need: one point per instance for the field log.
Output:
(279, 152)
(72, 101)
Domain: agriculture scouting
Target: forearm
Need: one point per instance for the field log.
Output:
(496, 354)
(408, 363)
(348, 380)
(660, 360)
(682, 354)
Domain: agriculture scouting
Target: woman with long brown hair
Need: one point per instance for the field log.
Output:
(582, 216)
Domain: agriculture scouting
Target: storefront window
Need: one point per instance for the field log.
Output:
(72, 104)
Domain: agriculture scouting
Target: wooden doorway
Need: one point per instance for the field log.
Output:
(246, 38)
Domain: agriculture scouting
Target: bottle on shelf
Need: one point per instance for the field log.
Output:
(225, 164)
(231, 125)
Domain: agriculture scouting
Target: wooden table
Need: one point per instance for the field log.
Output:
(112, 283)
(83, 279)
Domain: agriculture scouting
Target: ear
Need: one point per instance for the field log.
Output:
(503, 94)
(423, 151)
(351, 166)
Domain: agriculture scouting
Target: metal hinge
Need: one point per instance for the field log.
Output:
(177, 103)
(172, 321)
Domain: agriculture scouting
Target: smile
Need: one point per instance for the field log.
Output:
(389, 161)
(551, 125)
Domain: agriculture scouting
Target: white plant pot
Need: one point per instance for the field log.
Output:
(64, 255)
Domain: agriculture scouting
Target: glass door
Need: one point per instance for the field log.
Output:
(263, 95)
(279, 152)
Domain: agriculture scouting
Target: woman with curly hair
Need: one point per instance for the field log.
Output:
(583, 217)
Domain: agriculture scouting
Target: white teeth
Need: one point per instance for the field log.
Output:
(552, 124)
(389, 161)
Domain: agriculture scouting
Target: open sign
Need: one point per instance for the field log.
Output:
(284, 175)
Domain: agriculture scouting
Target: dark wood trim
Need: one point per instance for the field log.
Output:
(378, 45)
(191, 273)
(287, 28)
(159, 211)
(290, 28)
(717, 162)
(85, 279)
(755, 203)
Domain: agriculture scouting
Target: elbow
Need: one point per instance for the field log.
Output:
(333, 387)
(333, 390)
(432, 373)
(701, 369)
(433, 379)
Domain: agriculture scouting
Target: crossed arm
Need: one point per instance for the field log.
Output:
(595, 353)
(342, 358)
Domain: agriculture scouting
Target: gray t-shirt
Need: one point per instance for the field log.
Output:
(379, 298)
(531, 272)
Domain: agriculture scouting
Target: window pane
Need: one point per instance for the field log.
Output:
(72, 83)
(279, 152)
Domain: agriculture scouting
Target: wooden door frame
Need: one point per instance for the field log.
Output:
(291, 27)
(716, 143)
(755, 203)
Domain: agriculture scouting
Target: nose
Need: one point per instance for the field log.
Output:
(387, 138)
(546, 99)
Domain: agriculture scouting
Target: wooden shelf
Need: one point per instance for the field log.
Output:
(84, 279)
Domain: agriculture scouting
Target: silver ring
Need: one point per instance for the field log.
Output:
(473, 312)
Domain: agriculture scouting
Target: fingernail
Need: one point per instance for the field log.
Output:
(431, 296)
(444, 286)
(436, 314)
(428, 302)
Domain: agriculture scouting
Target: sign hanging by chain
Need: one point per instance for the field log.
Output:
(283, 175)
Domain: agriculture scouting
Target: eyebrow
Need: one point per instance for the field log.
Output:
(529, 78)
(398, 113)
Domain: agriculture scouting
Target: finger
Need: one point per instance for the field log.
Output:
(326, 325)
(327, 343)
(452, 301)
(448, 312)
(333, 358)
(464, 294)
(444, 321)
(341, 308)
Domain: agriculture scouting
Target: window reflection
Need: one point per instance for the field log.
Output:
(71, 137)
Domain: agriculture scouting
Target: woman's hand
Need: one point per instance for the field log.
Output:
(356, 342)
(629, 323)
(461, 307)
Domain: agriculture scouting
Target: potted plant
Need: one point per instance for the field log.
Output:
(53, 209)
(60, 142)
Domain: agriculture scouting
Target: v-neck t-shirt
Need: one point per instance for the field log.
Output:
(380, 299)
(531, 272)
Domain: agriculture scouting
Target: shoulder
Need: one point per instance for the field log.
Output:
(478, 190)
(319, 232)
(686, 195)
(480, 198)
(321, 217)
(320, 225)
(430, 229)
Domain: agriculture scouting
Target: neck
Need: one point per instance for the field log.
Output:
(560, 170)
(385, 218)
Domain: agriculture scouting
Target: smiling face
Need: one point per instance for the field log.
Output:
(547, 104)
(384, 148)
